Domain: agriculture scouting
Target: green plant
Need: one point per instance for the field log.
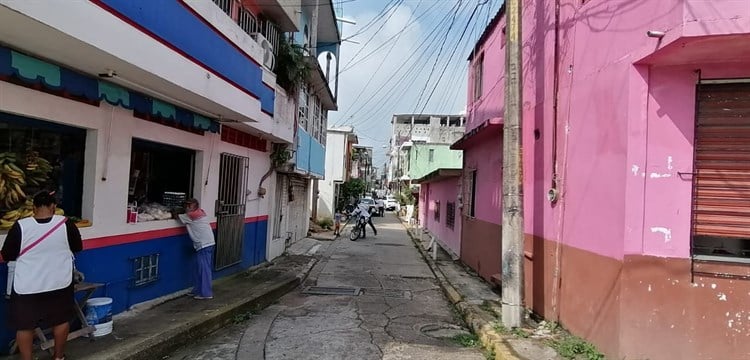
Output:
(466, 340)
(349, 191)
(325, 223)
(292, 69)
(280, 155)
(573, 347)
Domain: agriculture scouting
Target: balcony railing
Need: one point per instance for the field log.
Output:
(247, 21)
(225, 5)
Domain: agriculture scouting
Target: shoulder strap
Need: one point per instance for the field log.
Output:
(35, 243)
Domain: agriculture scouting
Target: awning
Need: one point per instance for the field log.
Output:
(490, 127)
(24, 69)
(439, 174)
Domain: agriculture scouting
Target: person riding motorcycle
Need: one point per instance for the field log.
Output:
(363, 210)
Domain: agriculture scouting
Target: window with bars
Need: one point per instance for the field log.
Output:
(247, 21)
(478, 74)
(437, 211)
(470, 194)
(450, 215)
(146, 269)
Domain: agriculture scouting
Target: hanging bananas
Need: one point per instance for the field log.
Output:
(33, 172)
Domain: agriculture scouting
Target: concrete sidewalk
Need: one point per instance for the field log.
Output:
(479, 305)
(154, 332)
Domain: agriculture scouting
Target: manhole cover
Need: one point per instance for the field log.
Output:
(443, 331)
(394, 293)
(322, 290)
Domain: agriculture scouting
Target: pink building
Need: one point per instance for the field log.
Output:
(644, 137)
(438, 208)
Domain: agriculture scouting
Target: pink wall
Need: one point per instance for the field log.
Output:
(444, 191)
(487, 159)
(610, 108)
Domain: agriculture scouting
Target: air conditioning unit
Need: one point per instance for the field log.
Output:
(269, 59)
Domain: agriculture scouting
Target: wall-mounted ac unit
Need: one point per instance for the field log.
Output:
(269, 59)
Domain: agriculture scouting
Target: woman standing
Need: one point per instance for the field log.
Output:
(42, 294)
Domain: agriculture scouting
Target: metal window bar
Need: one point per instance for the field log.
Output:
(225, 5)
(272, 33)
(247, 21)
(233, 179)
(450, 216)
(146, 269)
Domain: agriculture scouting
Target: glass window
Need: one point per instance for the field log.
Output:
(161, 178)
(38, 155)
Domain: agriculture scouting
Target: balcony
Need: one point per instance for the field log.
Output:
(196, 54)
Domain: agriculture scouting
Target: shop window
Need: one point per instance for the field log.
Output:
(161, 178)
(38, 155)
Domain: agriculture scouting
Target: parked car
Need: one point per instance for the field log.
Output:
(390, 203)
(370, 203)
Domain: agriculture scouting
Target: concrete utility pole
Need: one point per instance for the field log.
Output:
(512, 232)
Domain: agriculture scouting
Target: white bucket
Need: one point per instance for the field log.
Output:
(103, 329)
(99, 314)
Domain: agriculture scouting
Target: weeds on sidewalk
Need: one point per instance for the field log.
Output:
(573, 347)
(467, 340)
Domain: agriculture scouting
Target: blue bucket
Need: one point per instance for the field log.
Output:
(98, 310)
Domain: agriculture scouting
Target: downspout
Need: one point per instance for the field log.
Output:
(555, 103)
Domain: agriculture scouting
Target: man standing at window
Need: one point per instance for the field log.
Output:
(200, 232)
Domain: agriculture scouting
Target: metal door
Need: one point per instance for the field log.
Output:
(230, 210)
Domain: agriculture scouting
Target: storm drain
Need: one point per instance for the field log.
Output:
(393, 293)
(323, 290)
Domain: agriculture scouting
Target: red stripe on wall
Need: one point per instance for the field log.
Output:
(100, 242)
(174, 48)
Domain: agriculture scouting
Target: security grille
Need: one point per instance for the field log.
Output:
(230, 210)
(146, 269)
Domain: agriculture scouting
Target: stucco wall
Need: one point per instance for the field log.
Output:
(442, 191)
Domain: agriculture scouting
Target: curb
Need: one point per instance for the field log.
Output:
(156, 347)
(478, 320)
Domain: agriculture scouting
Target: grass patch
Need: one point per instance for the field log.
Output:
(489, 354)
(467, 340)
(517, 332)
(573, 347)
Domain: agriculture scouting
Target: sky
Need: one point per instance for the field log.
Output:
(409, 57)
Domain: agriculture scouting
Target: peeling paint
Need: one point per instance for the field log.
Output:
(669, 163)
(722, 296)
(635, 169)
(666, 231)
(654, 175)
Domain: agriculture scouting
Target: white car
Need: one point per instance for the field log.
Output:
(390, 203)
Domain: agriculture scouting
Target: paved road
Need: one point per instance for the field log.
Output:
(401, 312)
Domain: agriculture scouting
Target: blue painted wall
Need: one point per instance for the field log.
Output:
(310, 155)
(176, 24)
(113, 266)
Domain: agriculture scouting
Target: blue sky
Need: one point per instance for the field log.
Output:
(393, 69)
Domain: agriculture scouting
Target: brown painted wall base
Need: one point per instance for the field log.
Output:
(480, 246)
(643, 307)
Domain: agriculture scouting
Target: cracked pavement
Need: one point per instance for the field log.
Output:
(415, 321)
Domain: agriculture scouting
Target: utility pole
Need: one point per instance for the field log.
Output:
(512, 231)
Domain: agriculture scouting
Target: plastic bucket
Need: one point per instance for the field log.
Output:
(99, 314)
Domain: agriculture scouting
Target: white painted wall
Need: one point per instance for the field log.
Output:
(105, 201)
(335, 167)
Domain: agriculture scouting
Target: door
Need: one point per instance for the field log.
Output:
(230, 210)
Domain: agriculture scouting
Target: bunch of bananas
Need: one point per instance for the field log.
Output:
(12, 178)
(24, 211)
(37, 169)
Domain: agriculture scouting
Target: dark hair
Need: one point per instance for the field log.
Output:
(192, 201)
(44, 198)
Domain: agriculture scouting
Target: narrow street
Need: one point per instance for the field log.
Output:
(400, 313)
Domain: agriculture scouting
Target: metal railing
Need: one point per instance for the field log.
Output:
(247, 21)
(225, 5)
(272, 33)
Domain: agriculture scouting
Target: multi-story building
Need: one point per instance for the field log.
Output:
(410, 128)
(635, 128)
(339, 143)
(127, 107)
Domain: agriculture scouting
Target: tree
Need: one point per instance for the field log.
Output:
(350, 190)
